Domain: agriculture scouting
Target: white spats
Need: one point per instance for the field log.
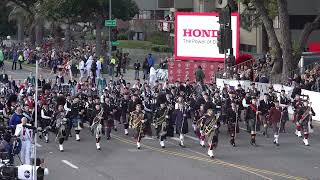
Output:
(98, 146)
(181, 140)
(126, 131)
(298, 133)
(61, 147)
(77, 137)
(306, 142)
(210, 153)
(162, 144)
(138, 145)
(202, 143)
(46, 138)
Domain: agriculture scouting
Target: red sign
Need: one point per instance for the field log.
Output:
(183, 70)
(314, 47)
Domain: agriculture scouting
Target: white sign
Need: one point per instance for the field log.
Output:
(196, 36)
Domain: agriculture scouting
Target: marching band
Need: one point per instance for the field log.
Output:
(169, 109)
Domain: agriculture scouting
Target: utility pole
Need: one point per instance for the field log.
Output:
(110, 43)
(35, 124)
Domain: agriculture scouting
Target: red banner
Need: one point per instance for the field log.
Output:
(183, 70)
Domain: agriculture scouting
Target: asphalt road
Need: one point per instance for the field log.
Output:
(120, 160)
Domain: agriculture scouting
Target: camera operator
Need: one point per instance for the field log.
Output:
(25, 133)
(5, 146)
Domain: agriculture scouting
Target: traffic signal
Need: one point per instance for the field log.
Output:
(114, 35)
(221, 40)
(225, 17)
(228, 37)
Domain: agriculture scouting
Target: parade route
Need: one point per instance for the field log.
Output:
(119, 159)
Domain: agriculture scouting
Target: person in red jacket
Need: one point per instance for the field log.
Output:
(274, 118)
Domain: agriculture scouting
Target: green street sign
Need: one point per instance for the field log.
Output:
(115, 43)
(110, 23)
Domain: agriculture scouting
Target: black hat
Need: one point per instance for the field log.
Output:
(283, 90)
(253, 83)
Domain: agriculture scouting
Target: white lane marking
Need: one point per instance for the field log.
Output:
(38, 145)
(70, 164)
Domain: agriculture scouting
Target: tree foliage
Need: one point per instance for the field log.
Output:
(286, 56)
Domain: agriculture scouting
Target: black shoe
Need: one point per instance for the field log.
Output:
(274, 142)
(115, 129)
(99, 149)
(163, 147)
(108, 138)
(183, 146)
(40, 136)
(78, 140)
(253, 142)
(139, 147)
(47, 141)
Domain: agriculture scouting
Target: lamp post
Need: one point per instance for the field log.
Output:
(35, 123)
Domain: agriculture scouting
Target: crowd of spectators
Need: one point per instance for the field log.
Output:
(260, 71)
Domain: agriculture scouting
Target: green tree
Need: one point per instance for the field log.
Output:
(285, 58)
(6, 28)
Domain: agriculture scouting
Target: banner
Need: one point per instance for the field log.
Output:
(196, 36)
(183, 70)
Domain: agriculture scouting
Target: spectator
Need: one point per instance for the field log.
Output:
(20, 59)
(14, 59)
(150, 60)
(31, 79)
(1, 58)
(111, 65)
(16, 118)
(136, 70)
(146, 69)
(199, 75)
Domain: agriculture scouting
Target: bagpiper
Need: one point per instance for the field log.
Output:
(252, 116)
(45, 122)
(284, 103)
(198, 124)
(61, 126)
(275, 115)
(231, 119)
(181, 112)
(96, 127)
(161, 122)
(303, 123)
(264, 107)
(211, 131)
(137, 120)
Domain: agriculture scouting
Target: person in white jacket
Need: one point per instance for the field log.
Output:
(153, 77)
(89, 64)
(81, 68)
(99, 67)
(26, 136)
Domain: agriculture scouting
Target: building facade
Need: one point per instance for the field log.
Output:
(253, 39)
